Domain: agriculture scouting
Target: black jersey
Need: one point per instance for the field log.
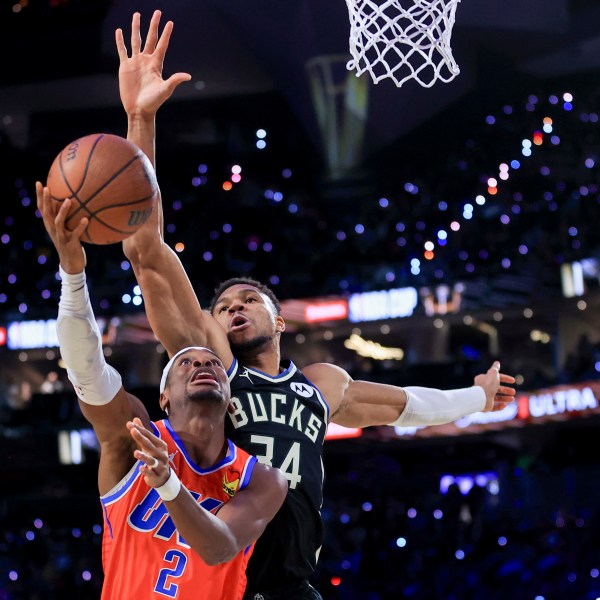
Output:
(282, 420)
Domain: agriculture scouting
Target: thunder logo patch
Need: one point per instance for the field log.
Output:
(231, 482)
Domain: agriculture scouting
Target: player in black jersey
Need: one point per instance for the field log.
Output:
(280, 414)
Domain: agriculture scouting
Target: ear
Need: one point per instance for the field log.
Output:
(230, 408)
(164, 403)
(279, 324)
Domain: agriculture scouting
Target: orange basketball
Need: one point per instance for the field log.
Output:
(111, 182)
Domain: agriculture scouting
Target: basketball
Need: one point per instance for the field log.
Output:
(110, 181)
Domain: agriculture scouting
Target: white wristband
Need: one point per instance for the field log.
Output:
(429, 406)
(170, 489)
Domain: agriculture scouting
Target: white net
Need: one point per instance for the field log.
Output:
(389, 40)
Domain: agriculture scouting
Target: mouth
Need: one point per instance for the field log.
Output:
(203, 376)
(238, 323)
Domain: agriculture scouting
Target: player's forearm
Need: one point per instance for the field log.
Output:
(429, 406)
(172, 307)
(80, 342)
(366, 404)
(208, 536)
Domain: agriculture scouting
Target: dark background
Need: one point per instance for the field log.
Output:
(428, 152)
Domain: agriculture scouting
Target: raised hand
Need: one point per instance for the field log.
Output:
(141, 85)
(67, 243)
(497, 395)
(152, 451)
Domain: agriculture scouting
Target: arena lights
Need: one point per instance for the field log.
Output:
(261, 143)
(326, 311)
(385, 304)
(338, 432)
(370, 349)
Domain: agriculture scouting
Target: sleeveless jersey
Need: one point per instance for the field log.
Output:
(282, 421)
(144, 556)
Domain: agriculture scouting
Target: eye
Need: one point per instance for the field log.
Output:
(251, 299)
(223, 308)
(185, 361)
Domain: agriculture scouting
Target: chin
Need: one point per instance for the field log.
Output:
(248, 346)
(208, 395)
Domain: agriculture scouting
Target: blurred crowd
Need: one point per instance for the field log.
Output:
(518, 195)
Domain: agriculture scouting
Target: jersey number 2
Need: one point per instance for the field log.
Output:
(178, 560)
(290, 465)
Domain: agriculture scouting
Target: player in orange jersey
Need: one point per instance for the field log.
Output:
(182, 504)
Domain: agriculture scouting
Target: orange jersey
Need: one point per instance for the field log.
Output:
(144, 556)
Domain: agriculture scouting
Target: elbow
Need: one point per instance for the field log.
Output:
(213, 558)
(143, 249)
(133, 248)
(218, 551)
(129, 248)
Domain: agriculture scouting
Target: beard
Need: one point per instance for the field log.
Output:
(247, 347)
(210, 395)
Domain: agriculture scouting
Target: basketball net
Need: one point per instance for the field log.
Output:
(388, 40)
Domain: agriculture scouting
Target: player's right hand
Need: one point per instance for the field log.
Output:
(67, 243)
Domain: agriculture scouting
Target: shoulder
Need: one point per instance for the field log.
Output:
(318, 372)
(332, 380)
(268, 479)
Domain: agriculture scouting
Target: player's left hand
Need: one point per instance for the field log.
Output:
(497, 395)
(153, 453)
(141, 85)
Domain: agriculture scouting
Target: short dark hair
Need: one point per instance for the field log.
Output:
(261, 287)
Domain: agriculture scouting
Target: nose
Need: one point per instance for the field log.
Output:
(236, 307)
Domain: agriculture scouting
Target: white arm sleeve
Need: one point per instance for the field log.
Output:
(428, 406)
(95, 382)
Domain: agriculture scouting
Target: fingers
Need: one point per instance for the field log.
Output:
(176, 80)
(120, 42)
(151, 451)
(495, 366)
(81, 227)
(163, 42)
(62, 214)
(152, 35)
(146, 440)
(506, 391)
(149, 461)
(39, 192)
(507, 378)
(136, 40)
(47, 207)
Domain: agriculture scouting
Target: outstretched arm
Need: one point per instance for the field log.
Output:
(171, 304)
(216, 539)
(363, 403)
(102, 399)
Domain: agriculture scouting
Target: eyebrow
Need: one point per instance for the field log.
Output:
(250, 290)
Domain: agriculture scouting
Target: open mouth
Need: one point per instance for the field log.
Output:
(204, 376)
(238, 323)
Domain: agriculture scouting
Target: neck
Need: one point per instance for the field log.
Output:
(265, 359)
(203, 438)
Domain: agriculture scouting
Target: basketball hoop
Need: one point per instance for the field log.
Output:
(388, 40)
